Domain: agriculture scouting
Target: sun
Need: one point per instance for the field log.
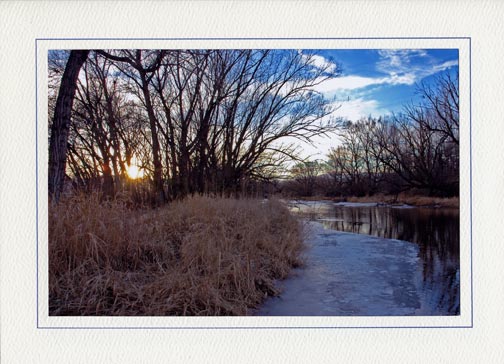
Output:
(134, 172)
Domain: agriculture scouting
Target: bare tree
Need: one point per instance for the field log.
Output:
(440, 110)
(305, 176)
(61, 122)
(417, 155)
(272, 98)
(97, 122)
(203, 120)
(417, 149)
(140, 66)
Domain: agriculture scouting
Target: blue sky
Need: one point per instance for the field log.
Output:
(377, 82)
(380, 82)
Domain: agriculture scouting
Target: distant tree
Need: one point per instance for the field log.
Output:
(305, 176)
(336, 166)
(371, 153)
(421, 157)
(355, 165)
(416, 149)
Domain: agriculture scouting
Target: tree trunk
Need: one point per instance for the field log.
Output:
(108, 181)
(160, 197)
(61, 122)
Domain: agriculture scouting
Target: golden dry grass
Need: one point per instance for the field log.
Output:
(414, 200)
(200, 256)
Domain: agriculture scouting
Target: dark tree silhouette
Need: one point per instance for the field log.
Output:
(61, 122)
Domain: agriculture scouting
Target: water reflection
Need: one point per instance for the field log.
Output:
(436, 231)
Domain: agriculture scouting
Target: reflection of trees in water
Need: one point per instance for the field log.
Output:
(436, 231)
(437, 234)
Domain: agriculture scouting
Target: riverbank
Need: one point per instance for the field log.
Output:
(401, 199)
(200, 256)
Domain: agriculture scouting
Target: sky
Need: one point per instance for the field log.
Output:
(376, 82)
(373, 82)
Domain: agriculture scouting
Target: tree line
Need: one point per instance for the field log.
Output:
(194, 121)
(217, 121)
(417, 149)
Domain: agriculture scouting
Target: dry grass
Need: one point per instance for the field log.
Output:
(414, 200)
(201, 256)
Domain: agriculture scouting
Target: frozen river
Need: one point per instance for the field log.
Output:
(359, 263)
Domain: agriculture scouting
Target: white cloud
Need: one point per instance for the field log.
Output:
(398, 60)
(396, 64)
(346, 83)
(358, 108)
(398, 67)
(354, 110)
(444, 66)
(320, 147)
(356, 82)
(320, 62)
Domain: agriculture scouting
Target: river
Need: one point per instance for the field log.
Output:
(373, 260)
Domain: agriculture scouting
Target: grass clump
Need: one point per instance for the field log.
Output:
(410, 199)
(200, 256)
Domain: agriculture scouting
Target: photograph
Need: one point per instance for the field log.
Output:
(253, 182)
(257, 181)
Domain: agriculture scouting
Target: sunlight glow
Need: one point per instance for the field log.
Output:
(134, 172)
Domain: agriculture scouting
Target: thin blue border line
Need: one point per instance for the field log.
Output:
(256, 327)
(249, 327)
(36, 175)
(470, 179)
(257, 38)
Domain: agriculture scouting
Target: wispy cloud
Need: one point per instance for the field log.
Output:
(398, 61)
(400, 67)
(346, 83)
(369, 87)
(444, 66)
(407, 66)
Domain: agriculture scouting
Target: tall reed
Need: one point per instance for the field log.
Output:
(199, 256)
